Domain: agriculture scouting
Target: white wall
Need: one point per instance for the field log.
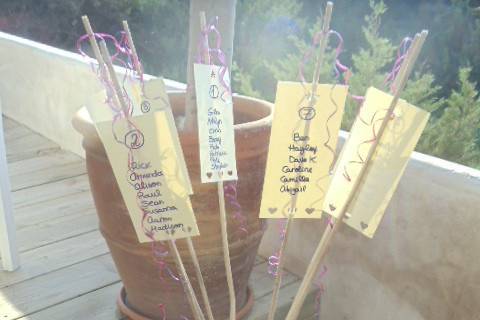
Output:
(42, 87)
(424, 261)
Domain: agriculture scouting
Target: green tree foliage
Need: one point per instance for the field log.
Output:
(370, 64)
(273, 35)
(159, 27)
(455, 134)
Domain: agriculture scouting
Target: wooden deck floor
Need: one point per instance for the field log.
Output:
(66, 270)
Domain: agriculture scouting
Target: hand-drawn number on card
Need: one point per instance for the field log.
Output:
(145, 106)
(134, 139)
(306, 113)
(213, 91)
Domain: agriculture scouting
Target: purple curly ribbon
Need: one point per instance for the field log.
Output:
(204, 47)
(401, 55)
(204, 54)
(123, 51)
(230, 189)
(274, 260)
(338, 67)
(320, 291)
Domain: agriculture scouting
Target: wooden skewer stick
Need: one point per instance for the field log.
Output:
(279, 272)
(316, 77)
(97, 54)
(113, 77)
(327, 18)
(201, 282)
(192, 299)
(203, 28)
(131, 44)
(191, 248)
(401, 71)
(221, 204)
(226, 250)
(332, 228)
(197, 312)
(93, 43)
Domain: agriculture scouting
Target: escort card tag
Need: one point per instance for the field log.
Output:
(386, 166)
(298, 163)
(153, 98)
(215, 124)
(146, 165)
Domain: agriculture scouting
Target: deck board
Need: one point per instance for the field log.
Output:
(98, 305)
(47, 168)
(49, 211)
(28, 146)
(50, 191)
(55, 256)
(61, 229)
(52, 288)
(67, 271)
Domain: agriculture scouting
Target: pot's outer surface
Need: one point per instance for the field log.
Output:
(145, 288)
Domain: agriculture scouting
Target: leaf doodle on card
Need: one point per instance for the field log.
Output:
(213, 92)
(272, 210)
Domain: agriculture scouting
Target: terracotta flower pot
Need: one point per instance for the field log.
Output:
(145, 288)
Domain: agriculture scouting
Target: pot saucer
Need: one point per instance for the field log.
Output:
(134, 315)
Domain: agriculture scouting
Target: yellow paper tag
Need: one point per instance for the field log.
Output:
(386, 166)
(215, 124)
(300, 159)
(149, 168)
(154, 98)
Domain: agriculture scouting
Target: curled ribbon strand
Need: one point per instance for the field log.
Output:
(390, 79)
(123, 55)
(204, 55)
(401, 55)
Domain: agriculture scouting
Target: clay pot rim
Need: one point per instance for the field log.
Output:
(134, 315)
(235, 245)
(82, 122)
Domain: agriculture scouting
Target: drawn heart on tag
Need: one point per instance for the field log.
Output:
(363, 225)
(209, 174)
(332, 207)
(272, 210)
(310, 210)
(230, 172)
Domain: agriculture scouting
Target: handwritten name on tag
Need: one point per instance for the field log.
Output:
(299, 163)
(215, 124)
(152, 98)
(145, 160)
(386, 166)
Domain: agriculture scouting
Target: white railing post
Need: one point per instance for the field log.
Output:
(8, 245)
